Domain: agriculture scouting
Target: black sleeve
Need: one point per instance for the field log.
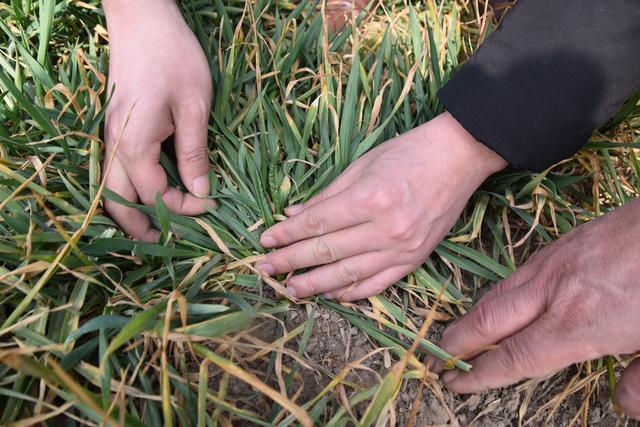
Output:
(552, 72)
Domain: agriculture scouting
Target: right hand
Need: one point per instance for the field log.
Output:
(161, 86)
(574, 300)
(382, 217)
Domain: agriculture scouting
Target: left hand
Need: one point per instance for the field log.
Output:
(577, 299)
(161, 85)
(382, 217)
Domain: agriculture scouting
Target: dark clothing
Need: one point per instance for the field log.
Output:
(551, 73)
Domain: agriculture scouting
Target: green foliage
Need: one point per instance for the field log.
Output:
(124, 332)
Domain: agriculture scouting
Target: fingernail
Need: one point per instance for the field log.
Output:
(292, 293)
(327, 295)
(266, 268)
(293, 209)
(450, 376)
(268, 241)
(201, 186)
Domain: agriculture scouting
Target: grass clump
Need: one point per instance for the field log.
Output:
(98, 328)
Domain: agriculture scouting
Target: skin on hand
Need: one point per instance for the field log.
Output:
(573, 301)
(162, 86)
(383, 216)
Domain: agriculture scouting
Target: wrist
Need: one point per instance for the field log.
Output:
(475, 157)
(127, 8)
(123, 15)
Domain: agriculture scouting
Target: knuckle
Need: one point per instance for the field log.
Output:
(320, 197)
(579, 316)
(283, 234)
(114, 137)
(346, 294)
(584, 311)
(313, 222)
(348, 274)
(148, 199)
(193, 155)
(574, 303)
(380, 200)
(401, 231)
(484, 321)
(112, 134)
(286, 262)
(324, 252)
(114, 123)
(516, 355)
(414, 244)
(505, 285)
(195, 111)
(129, 153)
(310, 286)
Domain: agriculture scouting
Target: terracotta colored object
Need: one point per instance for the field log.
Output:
(340, 11)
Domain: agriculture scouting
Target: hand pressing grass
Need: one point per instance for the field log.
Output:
(100, 328)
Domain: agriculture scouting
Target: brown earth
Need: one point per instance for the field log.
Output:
(334, 343)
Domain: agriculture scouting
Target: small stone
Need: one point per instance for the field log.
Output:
(513, 403)
(357, 353)
(595, 416)
(473, 402)
(437, 414)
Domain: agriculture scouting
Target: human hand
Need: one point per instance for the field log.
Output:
(382, 217)
(573, 301)
(339, 12)
(162, 87)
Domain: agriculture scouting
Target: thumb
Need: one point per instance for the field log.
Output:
(627, 394)
(492, 320)
(191, 147)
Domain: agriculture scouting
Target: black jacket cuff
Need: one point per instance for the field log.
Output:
(552, 73)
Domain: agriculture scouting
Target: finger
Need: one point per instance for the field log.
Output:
(332, 214)
(339, 275)
(139, 153)
(538, 350)
(321, 250)
(131, 220)
(491, 320)
(331, 190)
(150, 178)
(627, 394)
(192, 153)
(371, 286)
(522, 277)
(340, 184)
(526, 273)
